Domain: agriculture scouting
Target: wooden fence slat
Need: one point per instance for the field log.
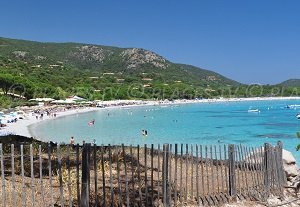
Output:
(170, 172)
(50, 174)
(262, 166)
(202, 171)
(69, 177)
(152, 182)
(32, 177)
(132, 174)
(242, 170)
(95, 174)
(89, 148)
(23, 197)
(111, 176)
(283, 178)
(2, 177)
(206, 168)
(217, 168)
(103, 175)
(192, 172)
(232, 176)
(146, 176)
(175, 174)
(186, 170)
(41, 175)
(158, 174)
(59, 164)
(118, 174)
(274, 170)
(197, 174)
(77, 175)
(139, 176)
(126, 178)
(277, 169)
(181, 165)
(266, 169)
(221, 167)
(13, 179)
(238, 171)
(85, 196)
(212, 170)
(226, 166)
(281, 173)
(165, 175)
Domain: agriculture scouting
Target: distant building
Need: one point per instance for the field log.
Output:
(147, 79)
(108, 73)
(211, 78)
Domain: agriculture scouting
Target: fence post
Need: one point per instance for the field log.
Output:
(84, 201)
(281, 172)
(165, 176)
(267, 149)
(232, 177)
(2, 176)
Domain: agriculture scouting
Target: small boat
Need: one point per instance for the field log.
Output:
(294, 106)
(298, 116)
(253, 111)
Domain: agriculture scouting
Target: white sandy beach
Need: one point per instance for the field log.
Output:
(21, 127)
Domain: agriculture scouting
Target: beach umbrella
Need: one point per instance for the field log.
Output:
(42, 99)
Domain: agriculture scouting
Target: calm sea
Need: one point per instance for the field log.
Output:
(214, 123)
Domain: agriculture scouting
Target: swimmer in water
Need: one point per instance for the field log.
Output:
(144, 132)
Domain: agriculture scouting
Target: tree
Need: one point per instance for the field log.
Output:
(6, 82)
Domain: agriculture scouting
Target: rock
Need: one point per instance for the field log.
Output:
(289, 164)
(287, 157)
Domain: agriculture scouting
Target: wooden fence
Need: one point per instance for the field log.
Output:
(168, 175)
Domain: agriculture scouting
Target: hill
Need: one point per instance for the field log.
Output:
(291, 83)
(90, 70)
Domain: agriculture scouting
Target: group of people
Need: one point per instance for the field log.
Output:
(72, 141)
(39, 114)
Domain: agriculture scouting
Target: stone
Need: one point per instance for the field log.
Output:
(289, 164)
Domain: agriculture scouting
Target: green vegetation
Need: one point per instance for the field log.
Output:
(57, 70)
(291, 83)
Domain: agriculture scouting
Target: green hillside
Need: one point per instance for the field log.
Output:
(35, 69)
(85, 69)
(291, 83)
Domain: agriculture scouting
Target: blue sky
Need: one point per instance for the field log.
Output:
(249, 41)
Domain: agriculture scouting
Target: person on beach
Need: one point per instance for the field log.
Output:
(72, 141)
(91, 122)
(94, 141)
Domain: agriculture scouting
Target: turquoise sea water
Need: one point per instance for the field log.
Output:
(202, 123)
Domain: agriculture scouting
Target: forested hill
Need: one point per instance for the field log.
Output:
(58, 70)
(291, 83)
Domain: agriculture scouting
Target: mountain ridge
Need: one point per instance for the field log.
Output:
(94, 57)
(291, 83)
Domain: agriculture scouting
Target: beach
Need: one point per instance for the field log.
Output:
(21, 127)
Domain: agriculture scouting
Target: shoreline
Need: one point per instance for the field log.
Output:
(22, 127)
